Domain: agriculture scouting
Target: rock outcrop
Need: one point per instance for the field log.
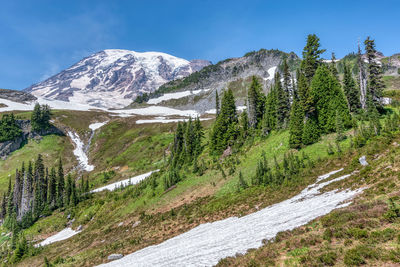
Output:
(6, 148)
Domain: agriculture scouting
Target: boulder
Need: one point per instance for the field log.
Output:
(114, 257)
(363, 161)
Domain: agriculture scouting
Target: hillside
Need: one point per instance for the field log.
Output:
(305, 174)
(232, 73)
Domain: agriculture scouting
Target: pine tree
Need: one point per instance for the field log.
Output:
(282, 103)
(244, 123)
(60, 185)
(339, 127)
(328, 99)
(52, 188)
(296, 124)
(35, 117)
(333, 68)
(311, 132)
(216, 103)
(256, 103)
(68, 190)
(350, 90)
(270, 117)
(375, 82)
(225, 129)
(311, 57)
(288, 84)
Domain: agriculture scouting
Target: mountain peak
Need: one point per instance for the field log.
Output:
(112, 78)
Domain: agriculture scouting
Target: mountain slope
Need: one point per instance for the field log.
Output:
(113, 78)
(234, 72)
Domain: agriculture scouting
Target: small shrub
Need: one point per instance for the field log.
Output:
(359, 254)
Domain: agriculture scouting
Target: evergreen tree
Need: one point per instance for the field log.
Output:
(282, 103)
(333, 68)
(339, 127)
(40, 118)
(311, 132)
(256, 103)
(224, 130)
(9, 130)
(60, 185)
(270, 117)
(52, 188)
(288, 84)
(68, 190)
(216, 103)
(296, 124)
(328, 99)
(375, 82)
(311, 57)
(350, 90)
(244, 123)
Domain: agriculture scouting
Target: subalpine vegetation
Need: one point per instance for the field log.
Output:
(311, 103)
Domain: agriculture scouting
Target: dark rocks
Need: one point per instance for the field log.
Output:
(114, 257)
(16, 96)
(6, 148)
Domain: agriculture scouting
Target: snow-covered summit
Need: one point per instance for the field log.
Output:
(113, 78)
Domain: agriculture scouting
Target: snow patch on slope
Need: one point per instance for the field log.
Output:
(126, 182)
(169, 96)
(80, 153)
(62, 235)
(206, 244)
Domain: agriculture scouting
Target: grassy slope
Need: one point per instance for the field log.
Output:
(359, 234)
(51, 147)
(206, 198)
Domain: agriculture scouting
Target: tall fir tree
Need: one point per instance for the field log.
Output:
(375, 83)
(311, 57)
(333, 68)
(270, 117)
(60, 184)
(225, 130)
(255, 103)
(350, 89)
(328, 99)
(216, 103)
(282, 103)
(296, 124)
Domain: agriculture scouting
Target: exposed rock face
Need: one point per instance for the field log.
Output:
(10, 146)
(16, 96)
(235, 73)
(113, 78)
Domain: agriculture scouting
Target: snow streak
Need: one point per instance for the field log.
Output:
(206, 244)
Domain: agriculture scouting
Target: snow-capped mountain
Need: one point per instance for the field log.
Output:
(113, 78)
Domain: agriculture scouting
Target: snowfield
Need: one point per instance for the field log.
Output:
(271, 73)
(126, 182)
(206, 244)
(64, 234)
(97, 125)
(165, 120)
(169, 96)
(79, 152)
(156, 111)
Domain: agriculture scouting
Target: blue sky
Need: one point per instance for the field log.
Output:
(40, 38)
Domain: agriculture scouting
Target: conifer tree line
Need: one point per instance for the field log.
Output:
(9, 129)
(37, 191)
(185, 149)
(40, 118)
(317, 103)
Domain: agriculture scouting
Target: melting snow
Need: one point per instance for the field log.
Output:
(157, 110)
(169, 96)
(165, 120)
(206, 244)
(79, 152)
(130, 181)
(271, 73)
(64, 234)
(97, 125)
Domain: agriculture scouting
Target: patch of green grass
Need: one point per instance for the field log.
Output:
(52, 147)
